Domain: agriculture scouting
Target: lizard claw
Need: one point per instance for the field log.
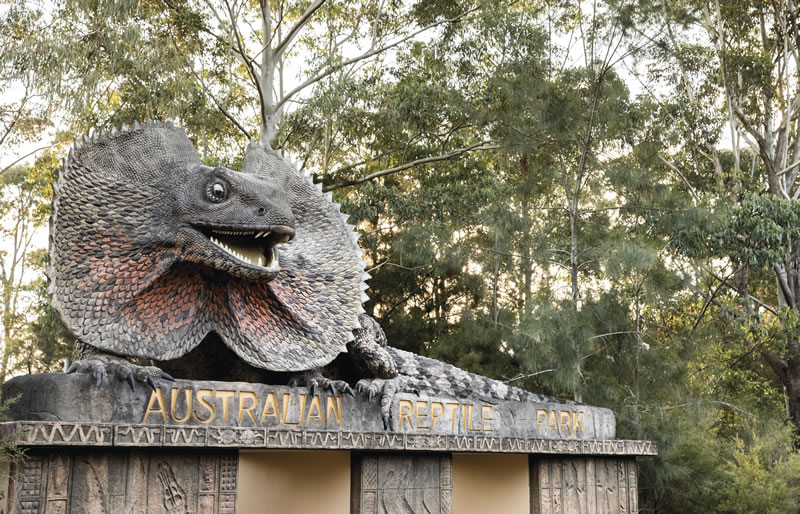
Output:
(314, 379)
(386, 389)
(102, 365)
(359, 387)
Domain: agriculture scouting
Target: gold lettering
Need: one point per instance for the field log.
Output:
(247, 395)
(302, 406)
(452, 408)
(565, 424)
(286, 397)
(541, 418)
(420, 415)
(336, 408)
(156, 395)
(471, 420)
(435, 416)
(201, 397)
(271, 404)
(553, 423)
(188, 394)
(406, 416)
(576, 422)
(226, 396)
(315, 405)
(485, 411)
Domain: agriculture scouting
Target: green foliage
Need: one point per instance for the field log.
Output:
(761, 231)
(9, 451)
(763, 475)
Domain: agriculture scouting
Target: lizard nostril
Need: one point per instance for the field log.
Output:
(261, 211)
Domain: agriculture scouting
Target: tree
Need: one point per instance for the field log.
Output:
(754, 47)
(23, 209)
(30, 65)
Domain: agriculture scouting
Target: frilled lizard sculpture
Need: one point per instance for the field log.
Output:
(219, 274)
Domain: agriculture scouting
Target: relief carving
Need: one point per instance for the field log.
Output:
(404, 483)
(133, 481)
(45, 433)
(174, 497)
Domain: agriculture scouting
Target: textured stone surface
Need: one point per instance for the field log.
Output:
(409, 484)
(131, 481)
(48, 433)
(250, 408)
(583, 485)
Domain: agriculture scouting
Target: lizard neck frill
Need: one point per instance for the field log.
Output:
(124, 278)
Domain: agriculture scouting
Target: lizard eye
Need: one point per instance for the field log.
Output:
(217, 192)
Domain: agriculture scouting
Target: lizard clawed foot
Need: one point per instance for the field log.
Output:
(101, 366)
(387, 388)
(315, 380)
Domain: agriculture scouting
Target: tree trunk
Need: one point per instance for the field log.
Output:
(495, 280)
(527, 268)
(792, 384)
(788, 372)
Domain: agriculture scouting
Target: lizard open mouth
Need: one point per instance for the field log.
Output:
(253, 247)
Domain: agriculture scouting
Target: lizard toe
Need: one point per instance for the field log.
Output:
(100, 368)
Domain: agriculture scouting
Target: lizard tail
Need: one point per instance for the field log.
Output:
(431, 376)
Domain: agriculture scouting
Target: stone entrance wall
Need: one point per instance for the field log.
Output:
(180, 481)
(581, 484)
(219, 448)
(117, 481)
(387, 483)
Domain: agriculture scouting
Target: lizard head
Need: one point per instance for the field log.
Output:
(233, 221)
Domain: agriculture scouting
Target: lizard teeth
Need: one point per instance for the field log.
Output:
(250, 255)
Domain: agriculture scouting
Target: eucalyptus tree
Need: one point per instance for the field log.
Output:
(30, 65)
(750, 70)
(230, 71)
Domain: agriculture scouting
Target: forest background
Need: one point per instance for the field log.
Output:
(590, 199)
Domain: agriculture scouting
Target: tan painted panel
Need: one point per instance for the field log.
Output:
(294, 482)
(490, 483)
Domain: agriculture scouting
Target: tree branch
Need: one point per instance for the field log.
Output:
(366, 55)
(786, 292)
(222, 108)
(304, 19)
(678, 172)
(426, 160)
(27, 155)
(732, 286)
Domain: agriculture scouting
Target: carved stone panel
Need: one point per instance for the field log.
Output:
(583, 485)
(402, 483)
(131, 481)
(245, 414)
